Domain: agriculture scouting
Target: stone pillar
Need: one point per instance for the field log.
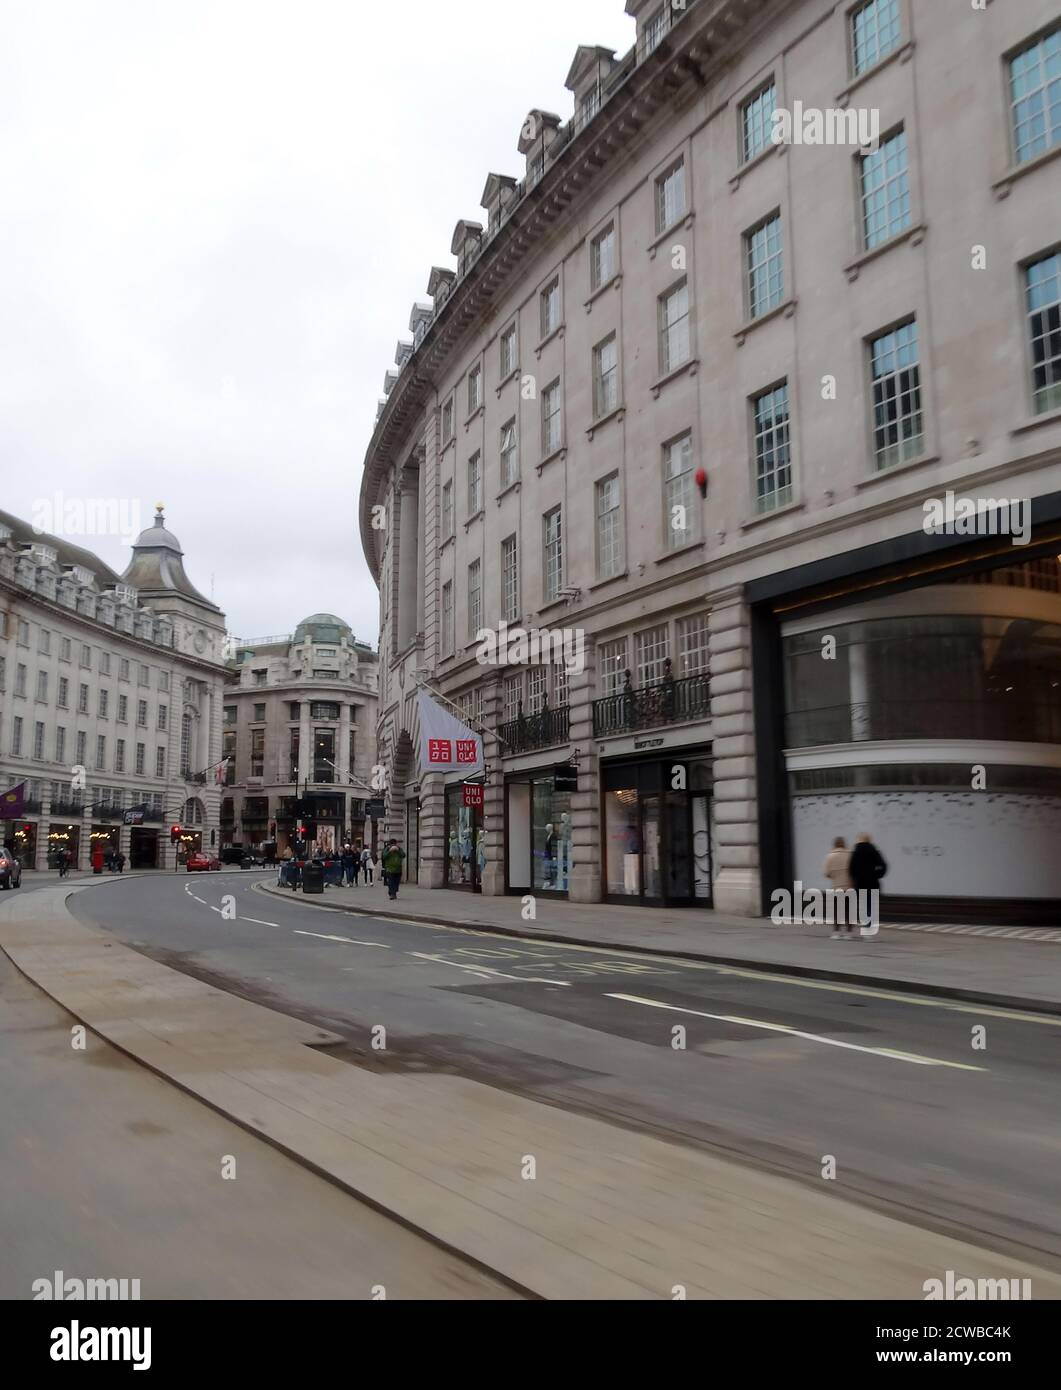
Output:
(45, 824)
(84, 852)
(493, 880)
(421, 549)
(342, 762)
(736, 885)
(408, 560)
(305, 741)
(433, 831)
(586, 848)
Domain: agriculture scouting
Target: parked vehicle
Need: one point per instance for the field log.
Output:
(10, 869)
(245, 856)
(198, 862)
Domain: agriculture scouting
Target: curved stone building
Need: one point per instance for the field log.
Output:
(742, 398)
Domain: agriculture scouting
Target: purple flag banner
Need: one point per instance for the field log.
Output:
(12, 802)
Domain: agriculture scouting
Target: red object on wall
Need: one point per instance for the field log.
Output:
(701, 481)
(473, 793)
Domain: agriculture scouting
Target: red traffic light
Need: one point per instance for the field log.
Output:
(175, 832)
(701, 481)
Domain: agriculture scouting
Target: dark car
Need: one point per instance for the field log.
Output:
(10, 870)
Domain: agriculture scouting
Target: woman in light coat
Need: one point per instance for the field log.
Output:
(837, 869)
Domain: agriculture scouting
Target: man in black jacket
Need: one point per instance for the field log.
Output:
(867, 868)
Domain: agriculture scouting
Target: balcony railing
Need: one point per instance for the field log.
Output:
(529, 731)
(667, 702)
(997, 718)
(31, 804)
(63, 807)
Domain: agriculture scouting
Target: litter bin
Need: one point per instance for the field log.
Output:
(313, 878)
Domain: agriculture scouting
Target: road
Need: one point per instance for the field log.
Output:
(781, 1071)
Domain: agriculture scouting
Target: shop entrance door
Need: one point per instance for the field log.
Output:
(666, 849)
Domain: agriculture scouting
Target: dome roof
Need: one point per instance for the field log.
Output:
(323, 627)
(156, 537)
(157, 567)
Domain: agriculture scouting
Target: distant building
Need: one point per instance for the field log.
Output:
(110, 698)
(299, 721)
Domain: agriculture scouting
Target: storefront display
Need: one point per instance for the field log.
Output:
(538, 834)
(465, 842)
(656, 830)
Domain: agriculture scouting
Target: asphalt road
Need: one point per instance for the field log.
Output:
(784, 1072)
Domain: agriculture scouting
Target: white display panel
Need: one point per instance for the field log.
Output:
(939, 844)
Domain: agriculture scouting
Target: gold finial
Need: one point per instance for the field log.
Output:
(159, 506)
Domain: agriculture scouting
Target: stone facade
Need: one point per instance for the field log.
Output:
(684, 278)
(109, 697)
(283, 696)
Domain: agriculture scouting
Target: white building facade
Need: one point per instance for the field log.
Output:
(299, 725)
(110, 700)
(691, 397)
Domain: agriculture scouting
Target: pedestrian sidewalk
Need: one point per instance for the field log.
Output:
(561, 1205)
(1010, 972)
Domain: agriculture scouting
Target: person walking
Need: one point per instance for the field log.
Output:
(366, 864)
(358, 848)
(393, 858)
(349, 860)
(64, 862)
(119, 861)
(868, 867)
(837, 870)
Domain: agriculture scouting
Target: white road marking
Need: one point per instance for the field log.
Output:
(896, 995)
(893, 1053)
(259, 922)
(486, 971)
(321, 937)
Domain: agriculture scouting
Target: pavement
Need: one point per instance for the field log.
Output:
(107, 1171)
(557, 1204)
(1008, 971)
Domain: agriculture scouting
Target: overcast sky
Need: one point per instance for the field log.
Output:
(214, 218)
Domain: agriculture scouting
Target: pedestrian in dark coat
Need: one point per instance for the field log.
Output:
(867, 867)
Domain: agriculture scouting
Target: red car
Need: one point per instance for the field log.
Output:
(198, 862)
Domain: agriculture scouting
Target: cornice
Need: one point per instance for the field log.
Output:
(696, 48)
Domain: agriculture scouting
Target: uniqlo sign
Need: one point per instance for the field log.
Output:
(439, 750)
(473, 793)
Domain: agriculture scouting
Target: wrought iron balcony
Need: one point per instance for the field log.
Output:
(529, 731)
(669, 701)
(62, 806)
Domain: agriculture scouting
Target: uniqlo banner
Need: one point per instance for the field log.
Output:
(446, 745)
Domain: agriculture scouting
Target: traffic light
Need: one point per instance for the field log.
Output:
(174, 833)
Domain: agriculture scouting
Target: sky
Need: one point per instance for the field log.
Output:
(215, 216)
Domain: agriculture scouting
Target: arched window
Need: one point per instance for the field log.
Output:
(193, 813)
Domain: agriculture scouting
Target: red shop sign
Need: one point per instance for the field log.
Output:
(473, 793)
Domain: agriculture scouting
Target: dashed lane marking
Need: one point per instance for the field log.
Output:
(893, 1053)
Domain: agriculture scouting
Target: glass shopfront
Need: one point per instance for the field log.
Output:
(657, 831)
(66, 837)
(143, 848)
(104, 837)
(538, 834)
(20, 837)
(465, 842)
